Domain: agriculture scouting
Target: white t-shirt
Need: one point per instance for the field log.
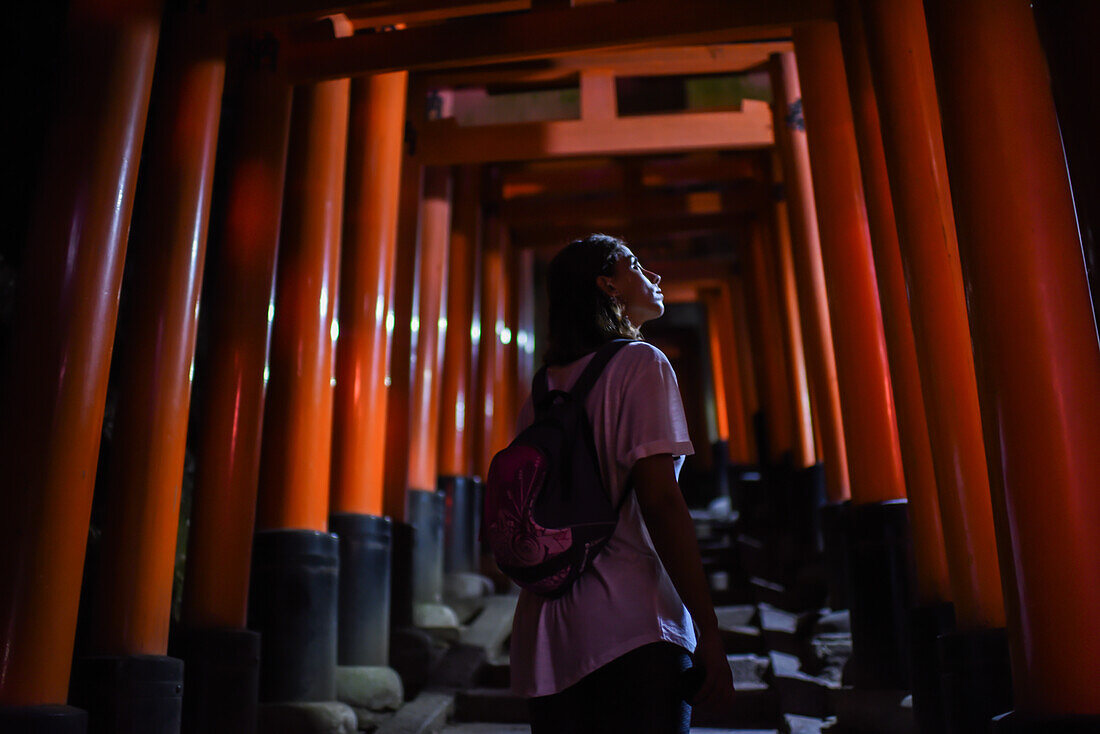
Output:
(625, 599)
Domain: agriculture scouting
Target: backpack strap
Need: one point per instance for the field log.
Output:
(595, 367)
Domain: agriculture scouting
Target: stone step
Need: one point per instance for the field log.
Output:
(425, 714)
(800, 693)
(493, 626)
(755, 707)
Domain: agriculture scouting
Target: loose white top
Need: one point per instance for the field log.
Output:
(625, 599)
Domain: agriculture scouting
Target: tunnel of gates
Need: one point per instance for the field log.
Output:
(862, 211)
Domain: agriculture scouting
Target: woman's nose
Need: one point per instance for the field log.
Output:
(653, 277)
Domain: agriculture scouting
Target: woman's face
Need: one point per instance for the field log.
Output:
(636, 287)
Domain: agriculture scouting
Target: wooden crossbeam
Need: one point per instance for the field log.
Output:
(727, 58)
(444, 142)
(548, 235)
(619, 209)
(366, 13)
(508, 38)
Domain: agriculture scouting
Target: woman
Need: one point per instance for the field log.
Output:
(612, 654)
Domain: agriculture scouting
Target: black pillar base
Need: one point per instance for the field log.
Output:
(461, 523)
(221, 680)
(401, 576)
(129, 694)
(879, 555)
(43, 720)
(926, 624)
(834, 534)
(425, 512)
(366, 549)
(1017, 723)
(977, 679)
(807, 498)
(293, 605)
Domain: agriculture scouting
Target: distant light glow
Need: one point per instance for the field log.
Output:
(324, 300)
(267, 374)
(389, 322)
(334, 330)
(460, 415)
(442, 324)
(521, 338)
(387, 382)
(270, 312)
(415, 324)
(475, 332)
(505, 335)
(191, 372)
(379, 307)
(332, 381)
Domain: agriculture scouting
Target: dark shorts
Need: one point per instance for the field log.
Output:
(642, 691)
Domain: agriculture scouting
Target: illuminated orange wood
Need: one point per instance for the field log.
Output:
(490, 349)
(395, 470)
(805, 453)
(239, 272)
(729, 400)
(62, 333)
(524, 331)
(1035, 348)
(809, 275)
(870, 426)
(297, 438)
(507, 392)
(457, 412)
(435, 235)
(932, 578)
(373, 184)
(144, 464)
(768, 350)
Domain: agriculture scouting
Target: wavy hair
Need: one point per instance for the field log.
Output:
(581, 316)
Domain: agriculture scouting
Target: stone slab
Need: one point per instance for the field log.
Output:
(320, 717)
(460, 667)
(799, 693)
(492, 628)
(375, 687)
(425, 714)
(748, 669)
(860, 710)
(438, 620)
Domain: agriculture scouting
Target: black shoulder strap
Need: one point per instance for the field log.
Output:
(540, 386)
(595, 367)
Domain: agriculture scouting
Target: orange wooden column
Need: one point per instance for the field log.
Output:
(490, 401)
(366, 292)
(733, 289)
(720, 308)
(240, 270)
(144, 463)
(770, 357)
(294, 469)
(809, 274)
(932, 579)
(435, 233)
(792, 333)
(862, 370)
(60, 346)
(1035, 349)
(457, 411)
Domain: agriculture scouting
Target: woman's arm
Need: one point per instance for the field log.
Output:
(673, 533)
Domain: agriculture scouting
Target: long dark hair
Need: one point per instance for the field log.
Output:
(582, 316)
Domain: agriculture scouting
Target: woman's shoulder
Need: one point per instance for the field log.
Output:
(641, 352)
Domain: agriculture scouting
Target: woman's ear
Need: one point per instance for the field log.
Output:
(605, 284)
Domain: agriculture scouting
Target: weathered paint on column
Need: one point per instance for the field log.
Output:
(932, 578)
(154, 362)
(375, 133)
(62, 334)
(457, 411)
(790, 133)
(435, 234)
(1035, 349)
(240, 272)
(869, 419)
(297, 438)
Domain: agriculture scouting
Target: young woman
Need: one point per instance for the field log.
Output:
(611, 655)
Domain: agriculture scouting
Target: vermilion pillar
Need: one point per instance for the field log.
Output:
(366, 291)
(456, 405)
(932, 581)
(294, 596)
(490, 354)
(56, 381)
(1035, 348)
(809, 274)
(506, 387)
(792, 335)
(720, 310)
(375, 137)
(430, 324)
(855, 315)
(294, 470)
(878, 530)
(768, 346)
(733, 288)
(144, 468)
(220, 655)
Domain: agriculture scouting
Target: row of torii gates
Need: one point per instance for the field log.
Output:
(947, 329)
